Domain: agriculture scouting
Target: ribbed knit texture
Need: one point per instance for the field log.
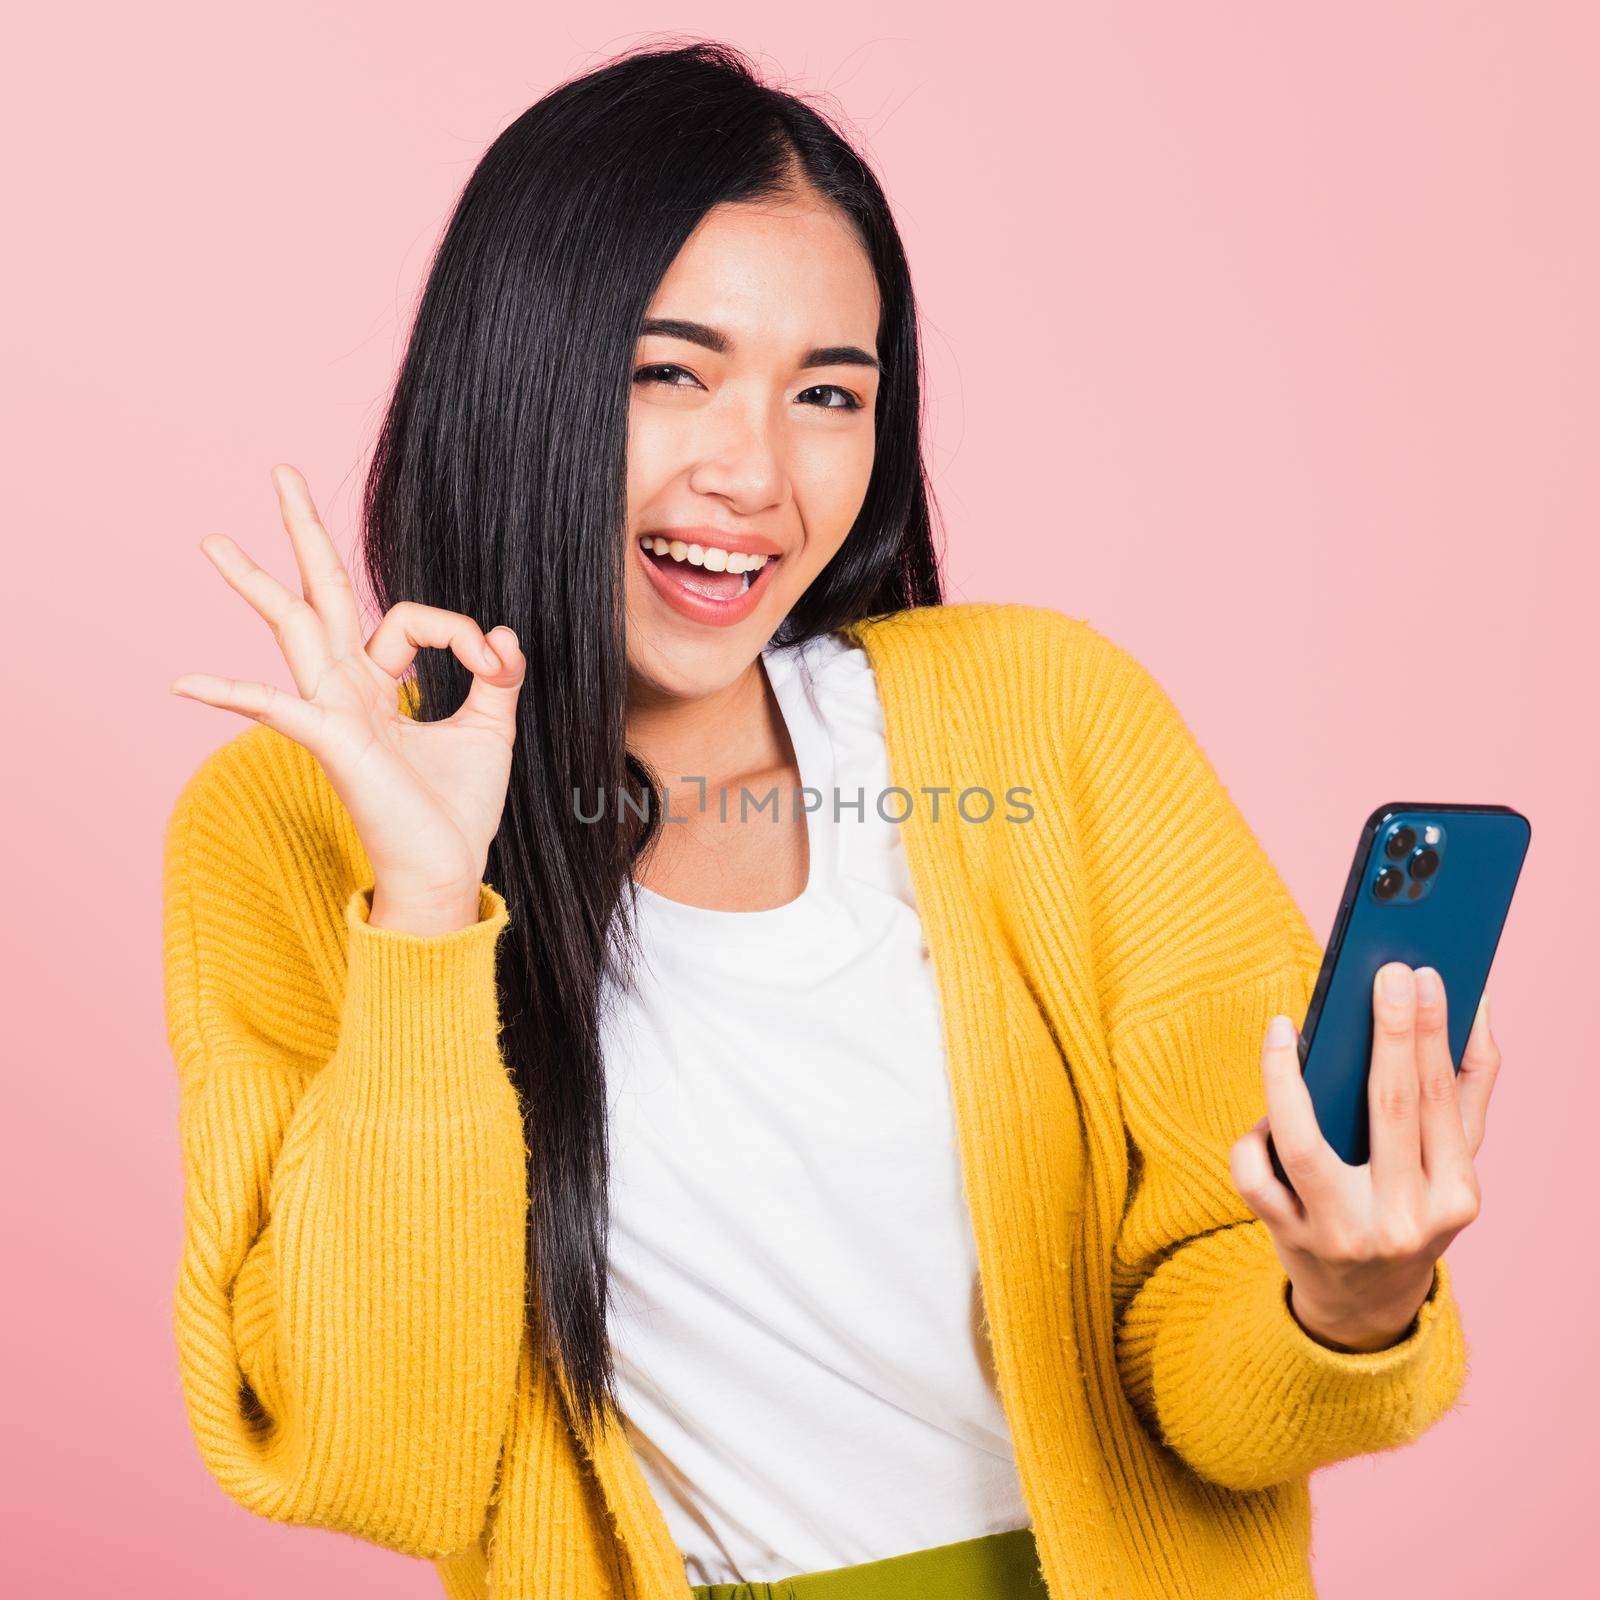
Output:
(349, 1311)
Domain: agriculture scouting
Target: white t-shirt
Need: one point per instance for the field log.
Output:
(795, 1306)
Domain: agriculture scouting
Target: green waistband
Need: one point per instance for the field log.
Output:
(997, 1566)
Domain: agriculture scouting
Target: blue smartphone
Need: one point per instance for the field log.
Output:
(1430, 885)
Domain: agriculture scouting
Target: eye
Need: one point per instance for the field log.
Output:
(851, 402)
(662, 372)
(652, 374)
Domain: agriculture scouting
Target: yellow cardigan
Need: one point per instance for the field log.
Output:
(349, 1307)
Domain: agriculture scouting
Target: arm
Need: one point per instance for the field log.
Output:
(1199, 943)
(1208, 1348)
(349, 1305)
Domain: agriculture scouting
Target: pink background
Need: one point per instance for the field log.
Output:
(1265, 338)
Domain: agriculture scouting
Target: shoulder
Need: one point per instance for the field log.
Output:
(258, 827)
(260, 860)
(957, 626)
(982, 627)
(1013, 656)
(259, 789)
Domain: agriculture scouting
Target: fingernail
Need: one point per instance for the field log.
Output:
(1482, 1018)
(1428, 986)
(490, 659)
(1397, 981)
(1280, 1031)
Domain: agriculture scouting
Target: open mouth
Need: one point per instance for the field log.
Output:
(713, 574)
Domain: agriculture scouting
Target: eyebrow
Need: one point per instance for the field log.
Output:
(827, 355)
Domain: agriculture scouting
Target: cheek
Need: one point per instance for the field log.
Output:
(830, 477)
(653, 450)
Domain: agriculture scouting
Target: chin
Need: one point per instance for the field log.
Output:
(690, 662)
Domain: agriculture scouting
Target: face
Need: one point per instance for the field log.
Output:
(750, 434)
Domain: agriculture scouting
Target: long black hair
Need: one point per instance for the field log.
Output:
(498, 488)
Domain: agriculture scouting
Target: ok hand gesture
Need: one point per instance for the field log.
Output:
(426, 797)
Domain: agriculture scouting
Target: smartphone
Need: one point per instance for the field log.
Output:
(1430, 885)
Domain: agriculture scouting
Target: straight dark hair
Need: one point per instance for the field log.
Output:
(498, 488)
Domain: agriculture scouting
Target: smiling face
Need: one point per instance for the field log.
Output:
(750, 435)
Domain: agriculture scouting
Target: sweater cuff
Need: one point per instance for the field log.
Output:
(492, 910)
(1326, 1377)
(413, 1000)
(1247, 1396)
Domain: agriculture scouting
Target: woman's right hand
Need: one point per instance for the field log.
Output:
(426, 797)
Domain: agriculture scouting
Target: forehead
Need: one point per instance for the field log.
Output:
(774, 273)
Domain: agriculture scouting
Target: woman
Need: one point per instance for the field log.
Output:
(604, 1181)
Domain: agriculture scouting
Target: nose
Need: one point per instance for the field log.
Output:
(743, 464)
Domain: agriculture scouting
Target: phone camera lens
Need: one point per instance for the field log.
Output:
(1400, 842)
(1387, 884)
(1425, 863)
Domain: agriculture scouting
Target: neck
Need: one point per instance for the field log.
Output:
(720, 737)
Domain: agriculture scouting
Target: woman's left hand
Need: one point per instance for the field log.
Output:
(1360, 1243)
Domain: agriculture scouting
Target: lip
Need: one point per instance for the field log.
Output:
(749, 544)
(697, 607)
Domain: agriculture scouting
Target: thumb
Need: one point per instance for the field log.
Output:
(493, 695)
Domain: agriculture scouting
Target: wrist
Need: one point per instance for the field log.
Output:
(444, 913)
(1370, 1330)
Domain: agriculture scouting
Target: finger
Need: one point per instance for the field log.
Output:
(1444, 1140)
(300, 720)
(1258, 1185)
(323, 579)
(296, 626)
(1392, 1091)
(407, 627)
(1480, 1067)
(493, 695)
(1313, 1165)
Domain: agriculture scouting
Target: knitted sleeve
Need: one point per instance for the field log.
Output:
(349, 1302)
(1198, 943)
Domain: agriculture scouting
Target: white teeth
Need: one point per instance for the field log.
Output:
(711, 557)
